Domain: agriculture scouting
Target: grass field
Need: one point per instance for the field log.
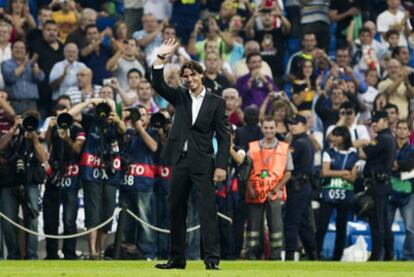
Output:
(196, 269)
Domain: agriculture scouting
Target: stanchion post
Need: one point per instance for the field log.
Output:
(119, 232)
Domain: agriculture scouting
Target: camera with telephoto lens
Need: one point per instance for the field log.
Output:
(158, 120)
(134, 114)
(64, 121)
(30, 123)
(103, 110)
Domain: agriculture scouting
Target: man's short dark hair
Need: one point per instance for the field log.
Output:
(269, 118)
(50, 22)
(193, 66)
(168, 26)
(251, 55)
(391, 106)
(134, 70)
(390, 33)
(308, 33)
(348, 105)
(344, 48)
(403, 121)
(64, 97)
(364, 30)
(89, 26)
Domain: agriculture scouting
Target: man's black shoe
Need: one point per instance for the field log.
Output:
(212, 266)
(171, 265)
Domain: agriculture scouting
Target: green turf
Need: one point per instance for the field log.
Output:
(238, 268)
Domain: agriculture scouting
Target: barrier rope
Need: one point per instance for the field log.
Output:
(60, 236)
(116, 212)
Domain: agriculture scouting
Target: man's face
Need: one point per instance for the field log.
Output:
(92, 35)
(106, 92)
(404, 56)
(19, 50)
(89, 19)
(44, 16)
(392, 115)
(4, 33)
(84, 78)
(65, 103)
(269, 129)
(365, 38)
(379, 125)
(348, 115)
(192, 79)
(394, 68)
(71, 53)
(267, 19)
(211, 46)
(212, 63)
(232, 100)
(133, 80)
(342, 58)
(309, 42)
(131, 47)
(149, 23)
(280, 114)
(236, 23)
(394, 4)
(402, 132)
(371, 78)
(168, 33)
(144, 116)
(297, 128)
(50, 33)
(255, 63)
(337, 96)
(393, 40)
(144, 91)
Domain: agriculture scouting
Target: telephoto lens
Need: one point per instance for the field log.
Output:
(30, 123)
(64, 121)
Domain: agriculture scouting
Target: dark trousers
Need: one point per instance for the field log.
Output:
(256, 212)
(9, 204)
(325, 212)
(297, 221)
(378, 219)
(52, 199)
(182, 180)
(162, 219)
(226, 230)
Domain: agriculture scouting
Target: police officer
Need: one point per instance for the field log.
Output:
(137, 187)
(26, 156)
(379, 155)
(100, 166)
(272, 166)
(299, 193)
(65, 140)
(402, 196)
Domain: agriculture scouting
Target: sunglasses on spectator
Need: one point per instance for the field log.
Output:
(350, 112)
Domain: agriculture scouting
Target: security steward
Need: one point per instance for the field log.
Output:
(271, 170)
(65, 139)
(379, 156)
(299, 193)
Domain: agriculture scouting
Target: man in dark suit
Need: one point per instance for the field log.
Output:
(198, 115)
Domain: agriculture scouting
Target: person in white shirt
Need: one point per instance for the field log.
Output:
(63, 73)
(5, 46)
(347, 117)
(394, 18)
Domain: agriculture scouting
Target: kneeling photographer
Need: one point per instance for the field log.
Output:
(65, 139)
(100, 166)
(137, 188)
(24, 155)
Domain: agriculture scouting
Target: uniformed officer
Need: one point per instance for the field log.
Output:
(299, 193)
(379, 156)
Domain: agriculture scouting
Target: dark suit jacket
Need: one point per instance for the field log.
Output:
(211, 118)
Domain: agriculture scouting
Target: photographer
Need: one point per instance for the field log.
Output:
(100, 166)
(137, 188)
(24, 156)
(65, 140)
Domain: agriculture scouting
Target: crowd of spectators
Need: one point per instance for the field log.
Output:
(333, 62)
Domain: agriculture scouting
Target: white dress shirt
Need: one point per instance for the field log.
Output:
(70, 79)
(197, 101)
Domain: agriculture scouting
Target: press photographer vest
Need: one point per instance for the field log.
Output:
(97, 147)
(139, 167)
(269, 166)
